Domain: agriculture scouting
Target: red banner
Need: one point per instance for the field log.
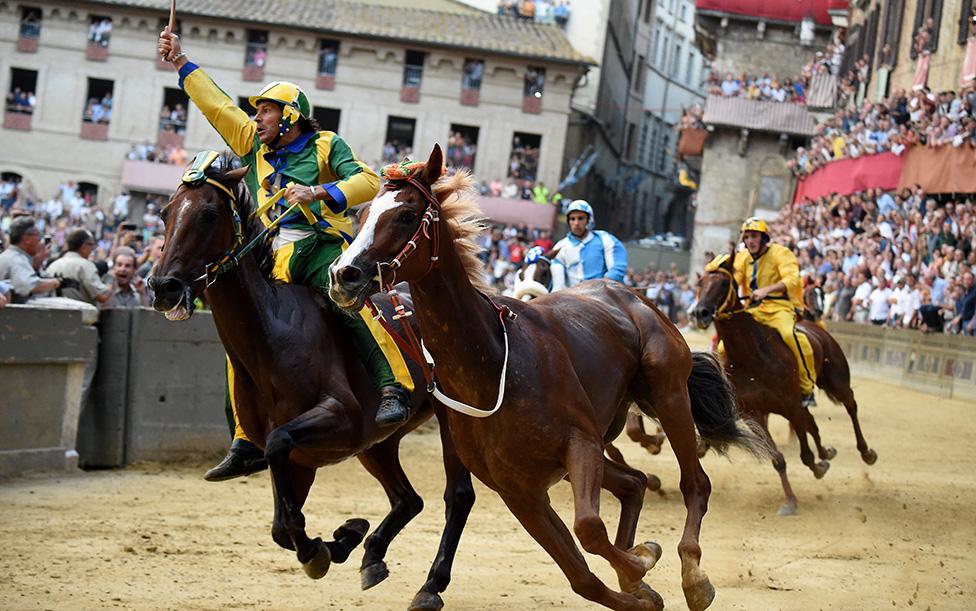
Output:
(847, 176)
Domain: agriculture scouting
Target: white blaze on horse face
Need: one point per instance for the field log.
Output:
(179, 215)
(364, 239)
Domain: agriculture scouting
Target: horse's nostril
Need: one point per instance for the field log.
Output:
(168, 285)
(350, 273)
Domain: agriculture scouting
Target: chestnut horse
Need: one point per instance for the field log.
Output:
(303, 394)
(765, 375)
(560, 371)
(536, 279)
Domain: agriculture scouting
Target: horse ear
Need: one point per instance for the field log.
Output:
(233, 177)
(435, 165)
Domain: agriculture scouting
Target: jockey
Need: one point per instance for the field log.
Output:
(769, 275)
(586, 253)
(286, 152)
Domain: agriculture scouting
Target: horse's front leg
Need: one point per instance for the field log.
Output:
(317, 427)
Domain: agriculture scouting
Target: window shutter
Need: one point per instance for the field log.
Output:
(937, 15)
(964, 13)
(919, 20)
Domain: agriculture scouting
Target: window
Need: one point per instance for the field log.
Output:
(928, 17)
(523, 162)
(98, 108)
(683, 15)
(327, 118)
(413, 69)
(474, 70)
(676, 59)
(399, 139)
(967, 21)
(630, 141)
(328, 57)
(462, 146)
(30, 22)
(662, 60)
(647, 11)
(99, 30)
(172, 116)
(690, 68)
(256, 54)
(20, 98)
(244, 104)
(534, 82)
(639, 76)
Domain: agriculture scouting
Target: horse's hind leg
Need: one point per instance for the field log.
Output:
(635, 430)
(383, 462)
(801, 425)
(291, 485)
(779, 463)
(542, 523)
(586, 472)
(825, 453)
(459, 499)
(653, 481)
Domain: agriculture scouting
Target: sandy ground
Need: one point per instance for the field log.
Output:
(898, 534)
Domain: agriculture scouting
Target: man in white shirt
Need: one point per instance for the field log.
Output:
(879, 306)
(862, 293)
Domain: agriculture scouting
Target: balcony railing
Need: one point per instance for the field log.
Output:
(30, 32)
(17, 120)
(94, 131)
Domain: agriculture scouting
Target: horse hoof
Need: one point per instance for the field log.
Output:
(870, 457)
(318, 566)
(373, 574)
(354, 530)
(426, 601)
(787, 509)
(820, 469)
(829, 453)
(644, 592)
(700, 595)
(649, 553)
(653, 483)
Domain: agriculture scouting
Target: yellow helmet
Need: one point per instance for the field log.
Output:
(755, 223)
(293, 100)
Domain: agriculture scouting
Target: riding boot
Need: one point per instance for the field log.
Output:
(394, 407)
(809, 400)
(244, 458)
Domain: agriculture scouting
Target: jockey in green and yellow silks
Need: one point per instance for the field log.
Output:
(292, 161)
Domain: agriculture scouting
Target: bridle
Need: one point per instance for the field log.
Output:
(724, 310)
(429, 228)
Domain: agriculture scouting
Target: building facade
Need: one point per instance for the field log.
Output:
(423, 78)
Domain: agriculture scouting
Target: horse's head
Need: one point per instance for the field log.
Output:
(202, 226)
(718, 293)
(538, 277)
(399, 238)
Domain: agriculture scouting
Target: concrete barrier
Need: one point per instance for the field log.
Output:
(943, 365)
(43, 353)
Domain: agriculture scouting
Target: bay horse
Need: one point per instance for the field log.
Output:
(765, 375)
(303, 394)
(560, 371)
(537, 278)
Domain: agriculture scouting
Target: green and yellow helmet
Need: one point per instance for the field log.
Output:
(294, 102)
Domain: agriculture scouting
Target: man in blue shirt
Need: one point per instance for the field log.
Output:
(586, 253)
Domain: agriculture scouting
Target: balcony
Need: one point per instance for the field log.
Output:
(96, 52)
(151, 177)
(94, 131)
(325, 81)
(470, 96)
(166, 138)
(532, 104)
(27, 44)
(255, 57)
(17, 120)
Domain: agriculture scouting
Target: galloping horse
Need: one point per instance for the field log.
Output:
(303, 395)
(537, 279)
(560, 371)
(764, 371)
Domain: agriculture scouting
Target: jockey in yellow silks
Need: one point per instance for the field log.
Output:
(769, 274)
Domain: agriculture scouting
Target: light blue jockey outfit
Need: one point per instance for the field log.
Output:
(598, 255)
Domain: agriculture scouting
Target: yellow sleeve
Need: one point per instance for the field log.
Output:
(348, 180)
(232, 123)
(741, 277)
(789, 274)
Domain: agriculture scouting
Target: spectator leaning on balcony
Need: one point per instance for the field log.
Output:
(75, 265)
(284, 149)
(16, 262)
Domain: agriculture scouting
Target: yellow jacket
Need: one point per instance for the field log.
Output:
(320, 158)
(777, 264)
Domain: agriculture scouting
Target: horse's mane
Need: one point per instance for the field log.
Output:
(251, 227)
(458, 196)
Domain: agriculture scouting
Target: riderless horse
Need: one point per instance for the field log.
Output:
(538, 278)
(544, 385)
(765, 375)
(303, 395)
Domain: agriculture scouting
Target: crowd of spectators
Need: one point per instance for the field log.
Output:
(21, 101)
(70, 224)
(540, 11)
(905, 119)
(762, 88)
(100, 31)
(461, 151)
(147, 151)
(173, 119)
(99, 110)
(901, 259)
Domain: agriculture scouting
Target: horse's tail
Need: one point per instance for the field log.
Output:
(713, 406)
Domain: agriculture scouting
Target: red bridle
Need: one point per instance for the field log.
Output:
(429, 228)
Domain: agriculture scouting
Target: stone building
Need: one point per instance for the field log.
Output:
(376, 75)
(743, 165)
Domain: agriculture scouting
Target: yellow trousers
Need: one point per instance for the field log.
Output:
(784, 322)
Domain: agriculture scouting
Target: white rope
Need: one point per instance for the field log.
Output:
(464, 408)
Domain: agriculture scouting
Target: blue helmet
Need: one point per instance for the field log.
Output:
(581, 205)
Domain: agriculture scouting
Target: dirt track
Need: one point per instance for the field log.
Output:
(901, 533)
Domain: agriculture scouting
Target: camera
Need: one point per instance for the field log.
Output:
(128, 227)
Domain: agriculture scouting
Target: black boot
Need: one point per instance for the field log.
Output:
(808, 400)
(244, 458)
(394, 407)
